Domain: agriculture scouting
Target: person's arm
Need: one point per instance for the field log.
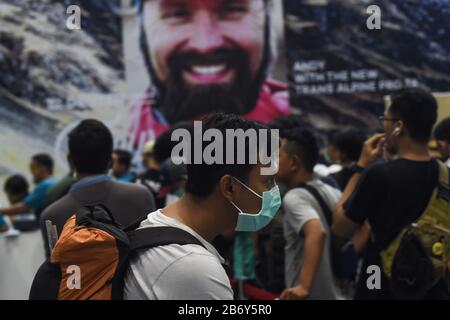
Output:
(315, 236)
(372, 149)
(15, 209)
(361, 237)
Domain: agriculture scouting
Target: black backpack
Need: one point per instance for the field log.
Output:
(342, 253)
(99, 249)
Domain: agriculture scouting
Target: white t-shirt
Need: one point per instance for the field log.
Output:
(299, 207)
(176, 272)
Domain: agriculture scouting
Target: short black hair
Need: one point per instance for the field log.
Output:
(303, 143)
(350, 142)
(90, 147)
(124, 157)
(44, 160)
(288, 122)
(16, 184)
(442, 130)
(418, 110)
(203, 178)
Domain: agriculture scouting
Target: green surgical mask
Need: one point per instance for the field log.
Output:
(271, 202)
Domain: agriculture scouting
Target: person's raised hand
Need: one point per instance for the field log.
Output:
(372, 149)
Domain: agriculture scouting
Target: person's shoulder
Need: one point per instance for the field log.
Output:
(296, 194)
(175, 259)
(206, 279)
(129, 188)
(199, 256)
(296, 201)
(329, 190)
(65, 204)
(200, 262)
(44, 185)
(381, 171)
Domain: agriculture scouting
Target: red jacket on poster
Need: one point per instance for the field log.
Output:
(147, 124)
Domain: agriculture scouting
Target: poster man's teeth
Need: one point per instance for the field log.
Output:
(206, 70)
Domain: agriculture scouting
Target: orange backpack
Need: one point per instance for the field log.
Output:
(91, 257)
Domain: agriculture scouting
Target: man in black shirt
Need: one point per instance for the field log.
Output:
(391, 195)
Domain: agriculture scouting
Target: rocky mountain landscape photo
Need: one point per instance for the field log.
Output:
(51, 76)
(413, 43)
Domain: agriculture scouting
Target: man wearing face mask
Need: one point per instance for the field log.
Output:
(218, 198)
(392, 195)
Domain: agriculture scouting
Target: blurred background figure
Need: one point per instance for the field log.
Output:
(442, 136)
(121, 163)
(155, 153)
(329, 154)
(174, 179)
(288, 122)
(41, 167)
(61, 188)
(344, 149)
(16, 190)
(148, 156)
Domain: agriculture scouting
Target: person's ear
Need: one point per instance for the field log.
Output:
(227, 187)
(399, 128)
(295, 162)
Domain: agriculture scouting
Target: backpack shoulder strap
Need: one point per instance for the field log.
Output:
(323, 205)
(151, 237)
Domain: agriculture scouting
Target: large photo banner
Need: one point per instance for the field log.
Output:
(188, 58)
(141, 67)
(345, 56)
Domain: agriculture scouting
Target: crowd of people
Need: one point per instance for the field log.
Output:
(312, 230)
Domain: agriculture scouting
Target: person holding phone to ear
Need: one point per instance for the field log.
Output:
(391, 195)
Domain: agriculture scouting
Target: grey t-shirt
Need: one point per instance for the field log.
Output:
(176, 272)
(300, 207)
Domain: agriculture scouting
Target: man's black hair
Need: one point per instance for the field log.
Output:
(44, 160)
(350, 142)
(304, 144)
(91, 147)
(203, 178)
(418, 110)
(442, 130)
(16, 185)
(162, 149)
(124, 157)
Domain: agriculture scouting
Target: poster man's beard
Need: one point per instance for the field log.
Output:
(178, 102)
